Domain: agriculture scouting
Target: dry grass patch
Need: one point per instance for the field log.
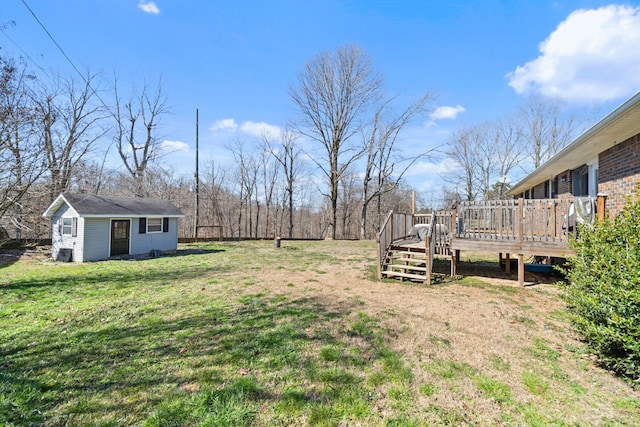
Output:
(246, 334)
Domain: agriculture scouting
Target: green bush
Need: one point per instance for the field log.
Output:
(603, 293)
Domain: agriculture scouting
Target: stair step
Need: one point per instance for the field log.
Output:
(408, 253)
(405, 267)
(406, 259)
(389, 273)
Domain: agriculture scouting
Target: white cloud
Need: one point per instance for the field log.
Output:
(172, 146)
(254, 129)
(224, 125)
(432, 170)
(594, 55)
(149, 7)
(260, 129)
(446, 112)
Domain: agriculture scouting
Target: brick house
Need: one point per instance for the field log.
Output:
(603, 160)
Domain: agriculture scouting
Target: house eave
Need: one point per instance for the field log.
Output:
(618, 126)
(55, 205)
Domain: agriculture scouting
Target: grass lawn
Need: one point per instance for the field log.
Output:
(243, 334)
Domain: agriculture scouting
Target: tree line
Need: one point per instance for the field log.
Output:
(333, 171)
(489, 154)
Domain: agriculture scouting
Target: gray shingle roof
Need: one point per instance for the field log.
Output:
(88, 205)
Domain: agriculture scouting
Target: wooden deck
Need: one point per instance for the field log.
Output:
(520, 227)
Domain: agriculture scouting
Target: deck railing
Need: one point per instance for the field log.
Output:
(533, 220)
(547, 221)
(519, 226)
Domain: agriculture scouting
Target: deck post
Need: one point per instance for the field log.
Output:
(427, 251)
(520, 220)
(521, 269)
(379, 261)
(602, 200)
(454, 261)
(507, 265)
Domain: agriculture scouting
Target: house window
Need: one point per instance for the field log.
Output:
(580, 181)
(67, 226)
(154, 225)
(554, 188)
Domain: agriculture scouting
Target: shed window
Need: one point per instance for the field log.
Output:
(67, 226)
(154, 225)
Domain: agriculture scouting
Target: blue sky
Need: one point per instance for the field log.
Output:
(235, 61)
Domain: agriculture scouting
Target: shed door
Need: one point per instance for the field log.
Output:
(120, 236)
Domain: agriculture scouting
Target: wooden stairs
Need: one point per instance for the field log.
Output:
(405, 264)
(402, 257)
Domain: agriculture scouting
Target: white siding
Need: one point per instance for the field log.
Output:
(92, 242)
(96, 238)
(60, 241)
(144, 243)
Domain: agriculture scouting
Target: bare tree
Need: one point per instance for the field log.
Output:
(215, 196)
(137, 120)
(506, 146)
(69, 121)
(545, 128)
(246, 179)
(463, 150)
(269, 174)
(333, 92)
(484, 153)
(287, 154)
(384, 168)
(20, 155)
(89, 177)
(348, 205)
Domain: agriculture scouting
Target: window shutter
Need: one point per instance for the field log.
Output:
(165, 225)
(142, 226)
(74, 227)
(60, 226)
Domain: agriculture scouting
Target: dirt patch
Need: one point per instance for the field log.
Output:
(37, 253)
(486, 323)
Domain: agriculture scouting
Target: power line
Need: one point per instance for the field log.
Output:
(51, 37)
(25, 53)
(65, 55)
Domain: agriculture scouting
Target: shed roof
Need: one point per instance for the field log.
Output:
(616, 127)
(106, 206)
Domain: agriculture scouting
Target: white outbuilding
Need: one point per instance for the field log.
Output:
(92, 228)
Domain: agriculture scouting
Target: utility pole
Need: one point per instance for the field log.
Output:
(197, 210)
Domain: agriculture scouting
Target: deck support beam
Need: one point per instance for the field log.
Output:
(521, 269)
(454, 262)
(507, 260)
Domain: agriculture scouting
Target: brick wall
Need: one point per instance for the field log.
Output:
(619, 173)
(564, 184)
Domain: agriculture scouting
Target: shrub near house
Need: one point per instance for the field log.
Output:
(604, 290)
